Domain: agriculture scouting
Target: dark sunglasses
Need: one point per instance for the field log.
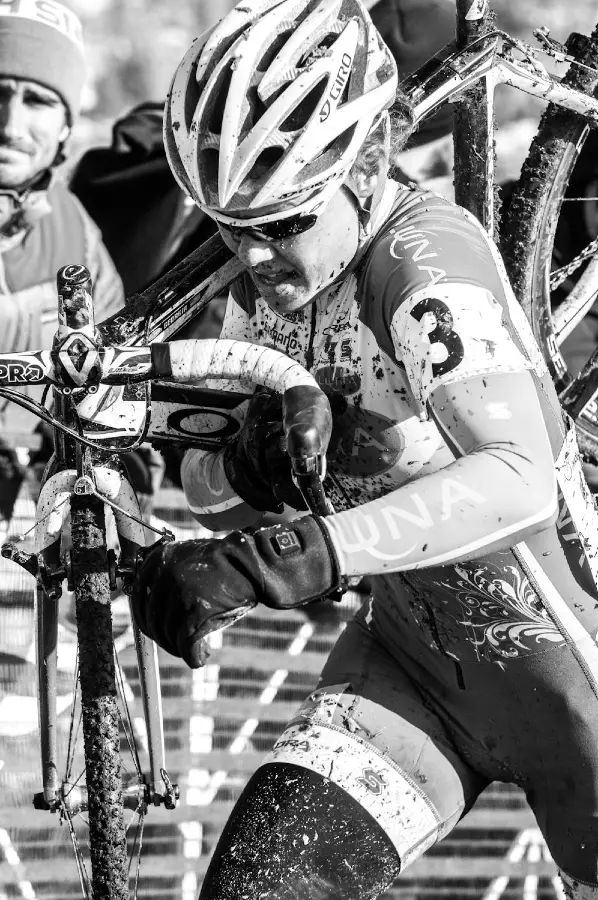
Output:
(272, 231)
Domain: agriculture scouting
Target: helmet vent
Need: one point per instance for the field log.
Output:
(273, 50)
(208, 159)
(218, 101)
(256, 108)
(324, 44)
(333, 151)
(264, 163)
(300, 116)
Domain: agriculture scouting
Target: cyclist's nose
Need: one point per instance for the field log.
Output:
(252, 252)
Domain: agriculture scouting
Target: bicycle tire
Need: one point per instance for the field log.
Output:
(101, 724)
(529, 225)
(471, 126)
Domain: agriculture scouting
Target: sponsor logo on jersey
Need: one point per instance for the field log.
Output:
(279, 337)
(414, 244)
(363, 442)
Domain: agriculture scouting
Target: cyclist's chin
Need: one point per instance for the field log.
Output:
(286, 296)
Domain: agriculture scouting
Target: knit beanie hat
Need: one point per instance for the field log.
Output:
(41, 41)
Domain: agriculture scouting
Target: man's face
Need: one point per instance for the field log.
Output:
(32, 126)
(289, 273)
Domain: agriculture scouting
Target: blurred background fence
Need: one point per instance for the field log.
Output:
(135, 45)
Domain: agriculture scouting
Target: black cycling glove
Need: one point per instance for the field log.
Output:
(186, 590)
(257, 465)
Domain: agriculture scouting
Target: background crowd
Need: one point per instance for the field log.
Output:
(133, 47)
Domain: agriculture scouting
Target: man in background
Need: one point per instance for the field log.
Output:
(42, 225)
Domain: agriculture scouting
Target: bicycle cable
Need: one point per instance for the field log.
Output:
(526, 49)
(37, 409)
(70, 753)
(163, 533)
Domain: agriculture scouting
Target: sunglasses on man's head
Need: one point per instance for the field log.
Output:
(271, 231)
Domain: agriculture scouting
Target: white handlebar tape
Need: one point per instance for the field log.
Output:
(198, 360)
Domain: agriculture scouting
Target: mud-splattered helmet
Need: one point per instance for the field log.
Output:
(268, 110)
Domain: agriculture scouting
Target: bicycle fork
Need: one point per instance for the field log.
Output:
(50, 571)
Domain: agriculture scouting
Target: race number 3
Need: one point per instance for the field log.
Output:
(441, 333)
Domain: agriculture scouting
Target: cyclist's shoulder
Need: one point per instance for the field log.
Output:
(426, 240)
(423, 224)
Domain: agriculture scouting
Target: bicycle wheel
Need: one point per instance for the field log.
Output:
(529, 230)
(99, 709)
(102, 742)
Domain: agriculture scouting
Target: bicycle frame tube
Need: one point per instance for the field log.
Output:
(461, 74)
(173, 301)
(546, 88)
(448, 78)
(473, 143)
(52, 506)
(444, 79)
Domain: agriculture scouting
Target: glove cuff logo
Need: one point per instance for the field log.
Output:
(287, 543)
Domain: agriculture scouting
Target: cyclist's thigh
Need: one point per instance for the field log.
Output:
(367, 728)
(570, 828)
(562, 783)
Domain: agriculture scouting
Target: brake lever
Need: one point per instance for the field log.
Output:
(307, 421)
(312, 490)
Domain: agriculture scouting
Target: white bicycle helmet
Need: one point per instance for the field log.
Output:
(270, 107)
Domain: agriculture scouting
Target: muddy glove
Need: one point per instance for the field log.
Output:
(185, 590)
(257, 465)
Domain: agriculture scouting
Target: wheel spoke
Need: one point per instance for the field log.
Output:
(572, 310)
